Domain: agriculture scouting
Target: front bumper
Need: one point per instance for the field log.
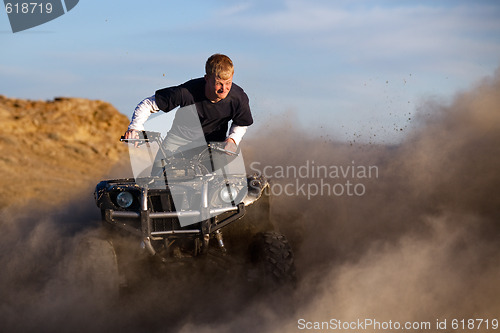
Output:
(130, 220)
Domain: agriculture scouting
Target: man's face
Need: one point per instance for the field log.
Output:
(216, 89)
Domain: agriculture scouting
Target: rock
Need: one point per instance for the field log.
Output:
(51, 150)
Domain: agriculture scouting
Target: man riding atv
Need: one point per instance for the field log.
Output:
(216, 99)
(179, 203)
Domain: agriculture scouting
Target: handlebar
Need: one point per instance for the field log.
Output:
(155, 136)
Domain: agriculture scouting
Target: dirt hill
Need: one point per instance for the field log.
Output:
(52, 149)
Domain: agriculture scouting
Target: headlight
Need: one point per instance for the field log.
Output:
(124, 199)
(228, 194)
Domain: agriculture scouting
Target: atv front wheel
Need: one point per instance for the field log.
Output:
(272, 258)
(94, 267)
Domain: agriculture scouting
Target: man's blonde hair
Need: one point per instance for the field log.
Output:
(220, 65)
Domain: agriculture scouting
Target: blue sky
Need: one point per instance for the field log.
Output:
(347, 69)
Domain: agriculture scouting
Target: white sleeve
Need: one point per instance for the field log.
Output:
(236, 133)
(142, 112)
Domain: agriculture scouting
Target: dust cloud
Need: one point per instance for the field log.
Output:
(420, 244)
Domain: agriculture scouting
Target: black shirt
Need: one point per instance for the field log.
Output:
(213, 117)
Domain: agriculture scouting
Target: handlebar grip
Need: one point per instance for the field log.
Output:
(222, 150)
(122, 139)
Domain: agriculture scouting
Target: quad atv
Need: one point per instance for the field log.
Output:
(182, 205)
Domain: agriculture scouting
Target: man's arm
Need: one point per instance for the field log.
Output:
(140, 116)
(234, 138)
(236, 133)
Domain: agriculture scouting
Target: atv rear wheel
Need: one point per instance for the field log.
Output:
(272, 258)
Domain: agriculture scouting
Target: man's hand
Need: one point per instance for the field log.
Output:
(231, 145)
(132, 134)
